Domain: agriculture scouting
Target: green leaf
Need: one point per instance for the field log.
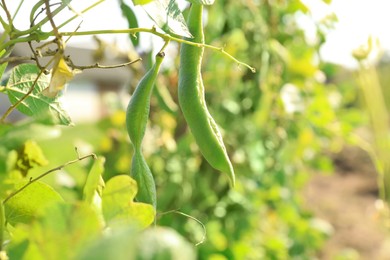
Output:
(66, 227)
(125, 243)
(128, 13)
(94, 184)
(142, 2)
(167, 15)
(119, 244)
(202, 2)
(21, 80)
(60, 231)
(118, 204)
(28, 204)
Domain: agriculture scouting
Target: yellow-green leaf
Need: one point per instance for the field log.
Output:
(28, 203)
(118, 204)
(141, 2)
(94, 184)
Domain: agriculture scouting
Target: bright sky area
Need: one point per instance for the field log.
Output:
(358, 19)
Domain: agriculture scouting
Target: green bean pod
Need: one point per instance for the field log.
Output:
(141, 173)
(136, 120)
(192, 99)
(138, 109)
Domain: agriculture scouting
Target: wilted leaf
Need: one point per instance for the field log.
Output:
(61, 75)
(167, 14)
(36, 104)
(118, 204)
(27, 204)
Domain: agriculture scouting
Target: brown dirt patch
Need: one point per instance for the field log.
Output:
(347, 200)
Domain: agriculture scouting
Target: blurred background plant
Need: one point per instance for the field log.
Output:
(281, 125)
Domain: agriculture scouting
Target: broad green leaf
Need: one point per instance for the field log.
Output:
(36, 104)
(65, 228)
(128, 13)
(94, 184)
(202, 2)
(167, 15)
(28, 203)
(3, 66)
(118, 204)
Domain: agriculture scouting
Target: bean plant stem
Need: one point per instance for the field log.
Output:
(164, 36)
(7, 13)
(17, 9)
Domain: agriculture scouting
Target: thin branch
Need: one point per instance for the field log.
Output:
(36, 58)
(164, 46)
(9, 17)
(32, 180)
(16, 59)
(98, 66)
(50, 16)
(37, 26)
(165, 37)
(17, 9)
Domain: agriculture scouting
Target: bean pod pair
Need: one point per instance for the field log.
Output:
(192, 98)
(136, 119)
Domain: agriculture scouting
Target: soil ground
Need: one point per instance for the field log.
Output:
(348, 200)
